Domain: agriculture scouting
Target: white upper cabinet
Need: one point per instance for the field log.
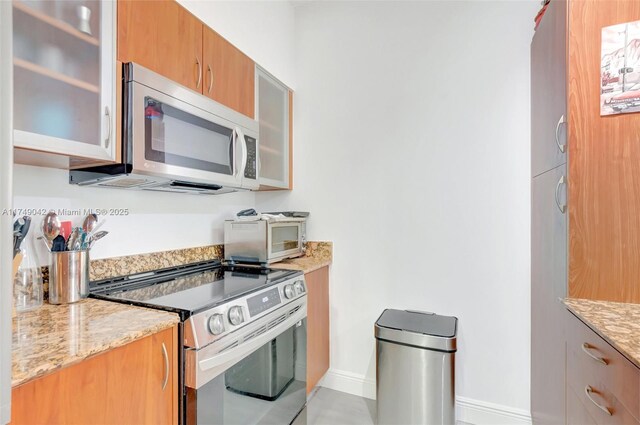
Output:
(272, 112)
(64, 77)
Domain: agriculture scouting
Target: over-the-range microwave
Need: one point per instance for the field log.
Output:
(177, 140)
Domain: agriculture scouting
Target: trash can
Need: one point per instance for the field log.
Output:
(415, 364)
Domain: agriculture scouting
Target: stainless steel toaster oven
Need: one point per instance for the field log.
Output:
(263, 241)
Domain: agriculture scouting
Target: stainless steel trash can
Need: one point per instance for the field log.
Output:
(415, 364)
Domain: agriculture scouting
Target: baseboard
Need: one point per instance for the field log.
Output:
(351, 383)
(468, 410)
(479, 412)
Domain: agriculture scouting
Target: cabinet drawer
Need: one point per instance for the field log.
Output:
(576, 412)
(592, 362)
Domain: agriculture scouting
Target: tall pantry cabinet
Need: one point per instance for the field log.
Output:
(548, 214)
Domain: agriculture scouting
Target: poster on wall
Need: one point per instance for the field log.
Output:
(620, 69)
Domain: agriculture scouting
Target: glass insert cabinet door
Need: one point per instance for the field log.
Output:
(272, 113)
(64, 77)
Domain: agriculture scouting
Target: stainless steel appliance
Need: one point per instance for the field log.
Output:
(177, 140)
(264, 241)
(242, 335)
(415, 364)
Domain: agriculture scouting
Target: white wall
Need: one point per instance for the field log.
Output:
(157, 221)
(412, 155)
(263, 30)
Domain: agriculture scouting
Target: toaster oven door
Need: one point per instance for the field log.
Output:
(284, 240)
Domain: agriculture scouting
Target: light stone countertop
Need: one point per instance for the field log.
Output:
(55, 336)
(616, 323)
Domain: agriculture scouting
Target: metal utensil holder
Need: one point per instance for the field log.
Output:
(69, 276)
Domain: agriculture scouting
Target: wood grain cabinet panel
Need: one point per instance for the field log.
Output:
(604, 166)
(228, 74)
(317, 326)
(121, 386)
(163, 36)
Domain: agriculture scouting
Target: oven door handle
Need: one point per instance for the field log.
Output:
(239, 352)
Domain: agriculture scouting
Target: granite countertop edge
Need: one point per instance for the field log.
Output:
(573, 304)
(45, 363)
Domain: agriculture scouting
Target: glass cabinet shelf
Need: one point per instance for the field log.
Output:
(25, 8)
(64, 77)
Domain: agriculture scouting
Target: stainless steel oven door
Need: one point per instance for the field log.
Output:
(175, 133)
(284, 240)
(256, 377)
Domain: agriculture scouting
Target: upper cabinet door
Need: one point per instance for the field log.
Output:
(64, 77)
(228, 74)
(549, 90)
(274, 114)
(164, 37)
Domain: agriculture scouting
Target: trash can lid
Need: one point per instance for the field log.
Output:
(420, 329)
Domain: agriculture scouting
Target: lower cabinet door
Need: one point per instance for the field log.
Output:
(317, 326)
(548, 284)
(135, 383)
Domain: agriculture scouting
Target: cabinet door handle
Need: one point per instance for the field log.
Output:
(166, 366)
(561, 121)
(588, 391)
(586, 347)
(210, 71)
(199, 79)
(107, 140)
(561, 207)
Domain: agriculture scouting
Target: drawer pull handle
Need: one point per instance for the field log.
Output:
(588, 390)
(586, 347)
(561, 121)
(165, 355)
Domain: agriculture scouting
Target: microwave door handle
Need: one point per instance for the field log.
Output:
(233, 153)
(245, 153)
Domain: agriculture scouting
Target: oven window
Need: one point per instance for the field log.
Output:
(175, 137)
(284, 238)
(266, 387)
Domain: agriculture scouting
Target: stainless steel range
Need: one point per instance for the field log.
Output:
(243, 338)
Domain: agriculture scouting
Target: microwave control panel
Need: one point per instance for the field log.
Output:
(251, 171)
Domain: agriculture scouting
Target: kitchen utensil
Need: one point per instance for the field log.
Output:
(50, 227)
(65, 229)
(96, 237)
(59, 244)
(97, 227)
(74, 241)
(89, 223)
(68, 276)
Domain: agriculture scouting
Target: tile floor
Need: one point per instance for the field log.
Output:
(330, 407)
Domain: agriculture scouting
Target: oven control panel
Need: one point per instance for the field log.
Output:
(203, 328)
(263, 301)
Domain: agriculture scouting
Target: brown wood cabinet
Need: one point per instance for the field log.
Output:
(123, 386)
(604, 166)
(317, 326)
(229, 75)
(163, 36)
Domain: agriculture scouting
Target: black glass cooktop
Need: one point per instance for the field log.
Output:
(188, 289)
